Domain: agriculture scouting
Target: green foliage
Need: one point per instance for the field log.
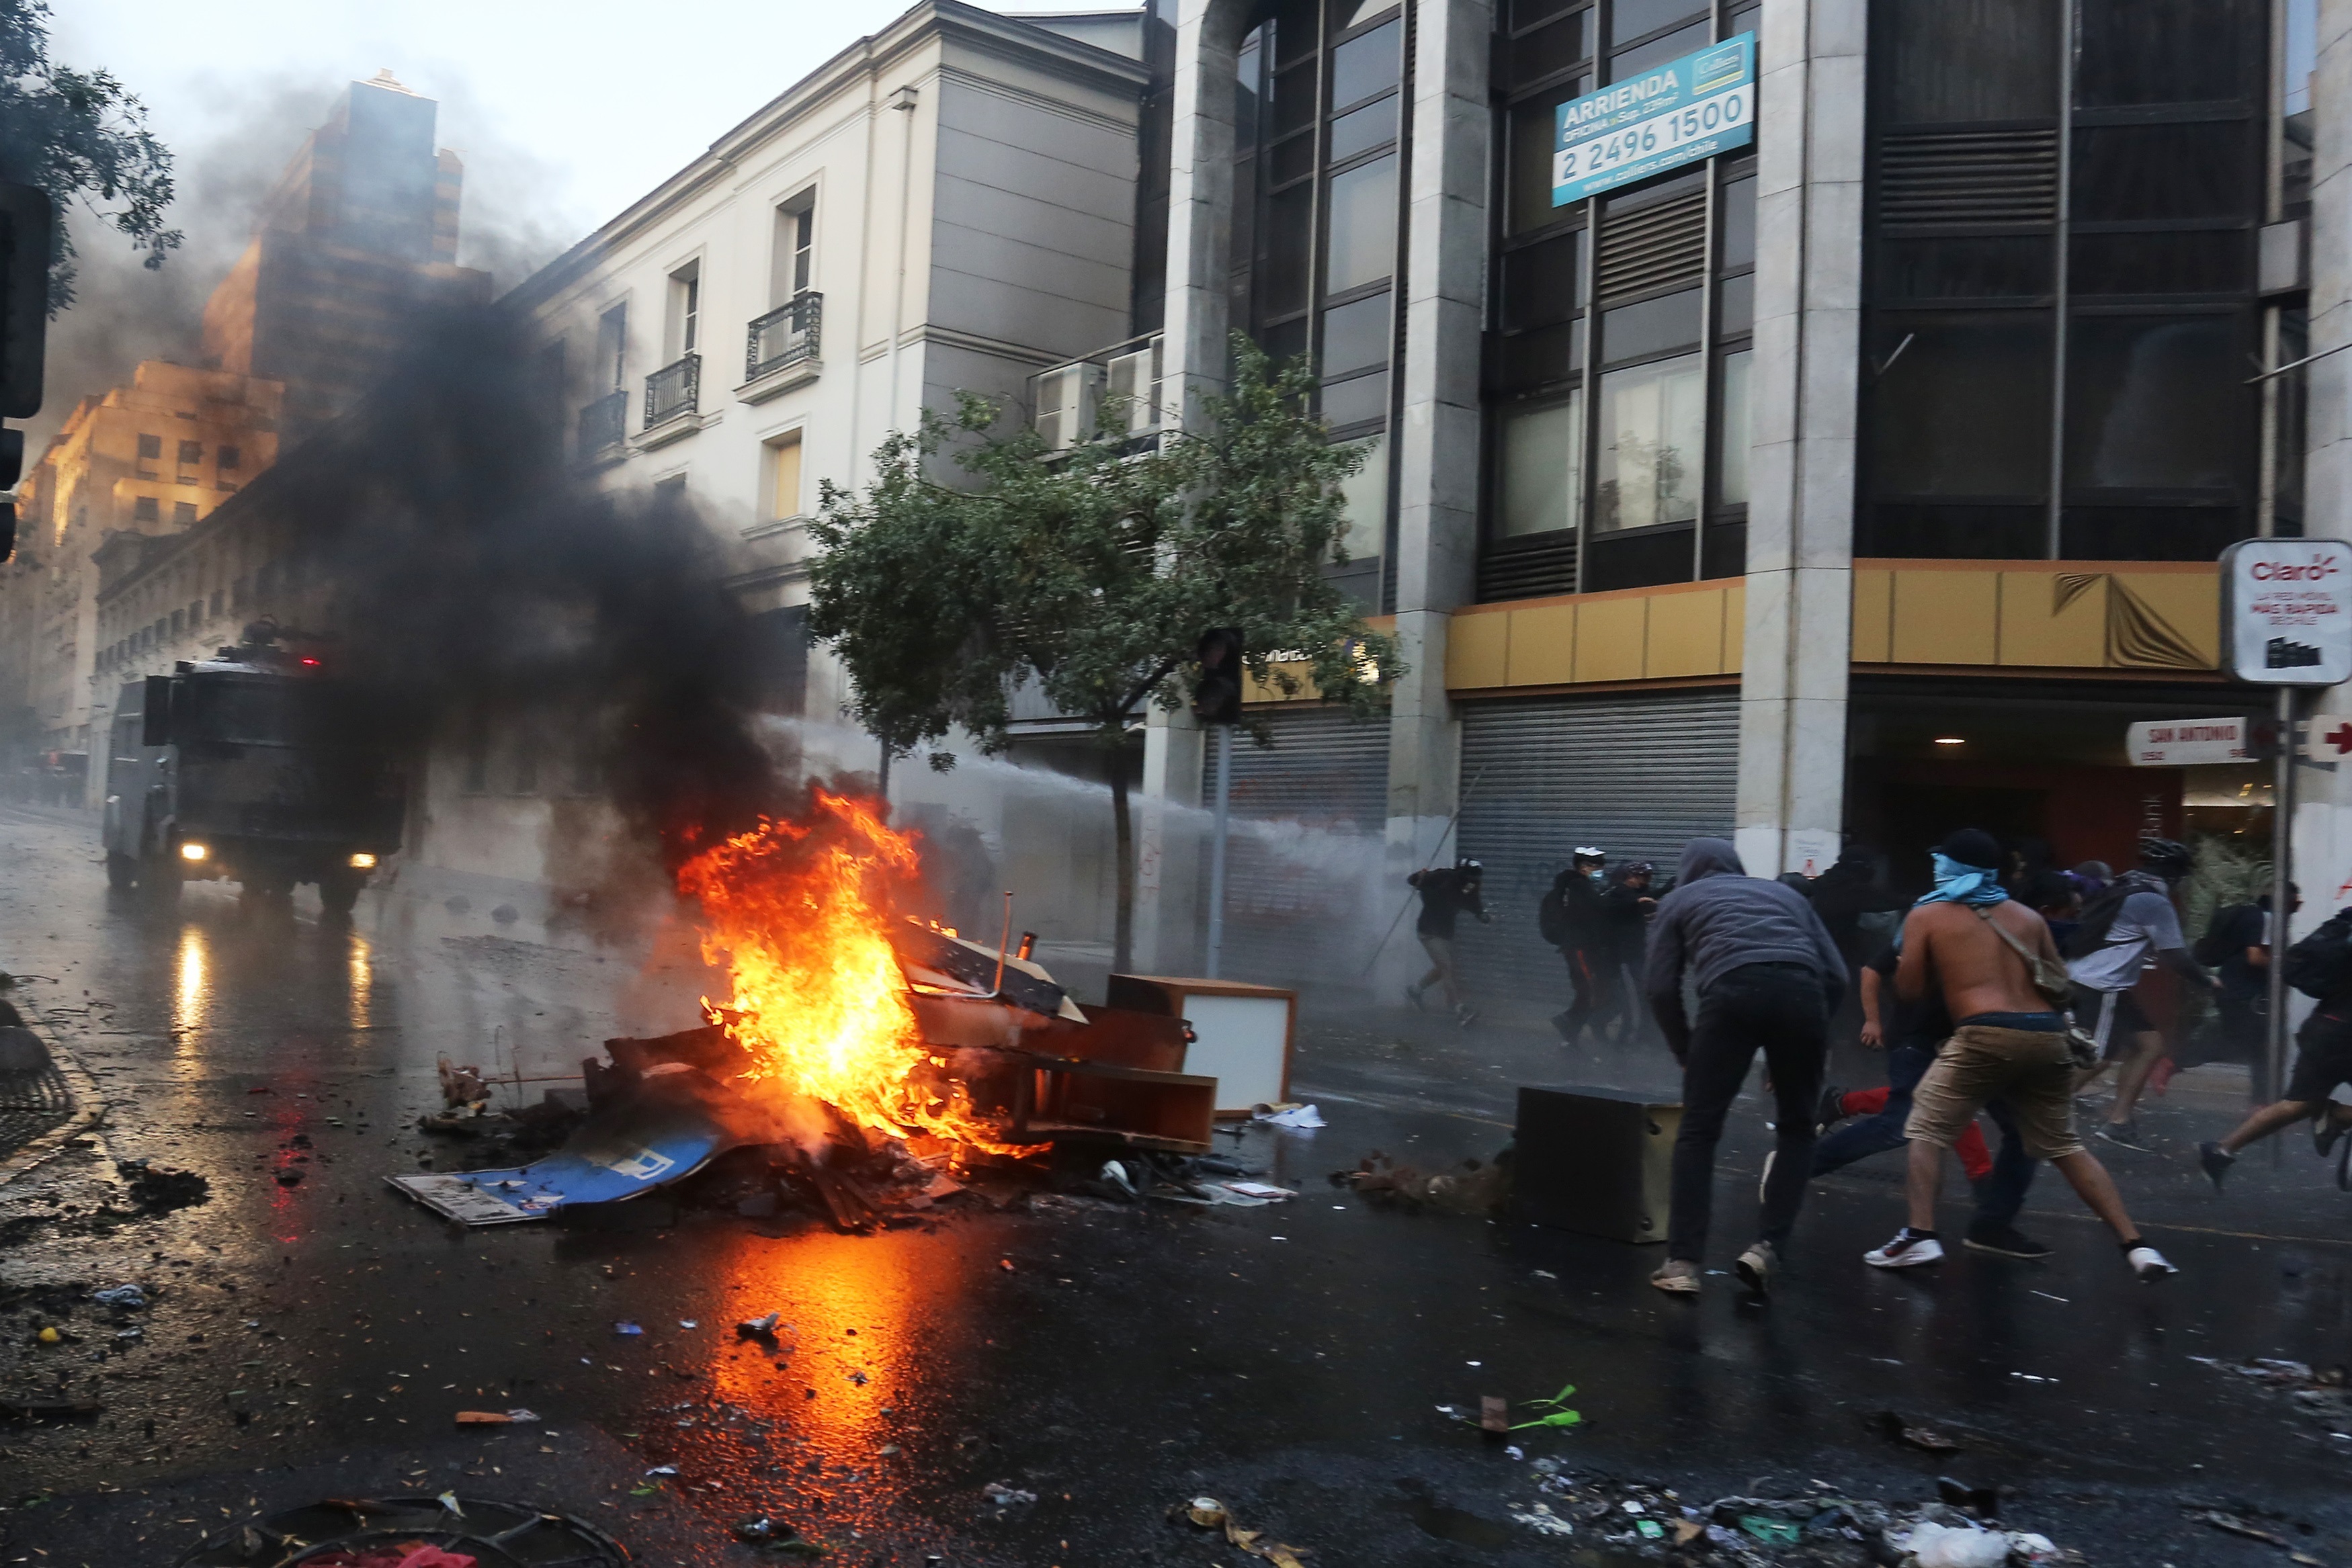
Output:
(77, 135)
(2220, 875)
(1091, 573)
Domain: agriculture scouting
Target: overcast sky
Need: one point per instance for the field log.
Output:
(564, 111)
(604, 98)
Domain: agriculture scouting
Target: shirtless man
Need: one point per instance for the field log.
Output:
(2007, 1041)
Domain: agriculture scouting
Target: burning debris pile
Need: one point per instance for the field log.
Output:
(864, 1063)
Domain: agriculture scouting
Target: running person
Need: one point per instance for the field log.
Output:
(1445, 892)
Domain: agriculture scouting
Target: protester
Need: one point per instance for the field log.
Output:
(2132, 917)
(1767, 977)
(2237, 944)
(1445, 892)
(1573, 920)
(1627, 905)
(2320, 965)
(1910, 1038)
(1991, 963)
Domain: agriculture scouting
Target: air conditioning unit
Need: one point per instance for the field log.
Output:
(1067, 398)
(1133, 384)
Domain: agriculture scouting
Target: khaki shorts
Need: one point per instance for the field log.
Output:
(2032, 1070)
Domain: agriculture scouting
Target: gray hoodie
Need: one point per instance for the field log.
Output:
(1719, 918)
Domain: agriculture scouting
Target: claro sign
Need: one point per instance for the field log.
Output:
(2286, 611)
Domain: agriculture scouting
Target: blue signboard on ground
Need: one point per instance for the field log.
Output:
(1686, 110)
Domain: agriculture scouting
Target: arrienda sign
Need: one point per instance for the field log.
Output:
(1693, 107)
(2286, 611)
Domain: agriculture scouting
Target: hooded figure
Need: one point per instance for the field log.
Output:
(1767, 977)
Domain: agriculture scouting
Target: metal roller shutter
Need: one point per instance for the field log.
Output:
(1308, 815)
(1639, 775)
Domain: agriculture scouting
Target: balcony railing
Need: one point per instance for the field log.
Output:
(673, 389)
(784, 336)
(603, 425)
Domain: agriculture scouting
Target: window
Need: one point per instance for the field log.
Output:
(1962, 405)
(685, 311)
(145, 510)
(183, 512)
(1653, 420)
(231, 458)
(612, 347)
(151, 449)
(792, 263)
(2155, 402)
(782, 457)
(192, 454)
(1543, 468)
(1365, 65)
(1364, 226)
(1364, 498)
(1957, 62)
(1736, 434)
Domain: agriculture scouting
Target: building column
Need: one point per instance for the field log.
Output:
(1197, 318)
(1796, 659)
(1437, 447)
(2323, 819)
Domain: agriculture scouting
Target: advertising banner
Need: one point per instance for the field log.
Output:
(2286, 611)
(1689, 109)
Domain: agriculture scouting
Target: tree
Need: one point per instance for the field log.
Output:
(1092, 572)
(77, 135)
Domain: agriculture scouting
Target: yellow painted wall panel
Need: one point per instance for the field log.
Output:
(1735, 626)
(2034, 631)
(1874, 592)
(1609, 639)
(1685, 635)
(1543, 645)
(1944, 617)
(1476, 651)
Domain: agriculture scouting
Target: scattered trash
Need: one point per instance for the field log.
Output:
(626, 1329)
(1983, 1502)
(2235, 1524)
(1006, 1496)
(1288, 1116)
(495, 1418)
(1542, 1520)
(120, 1296)
(38, 1407)
(1770, 1532)
(663, 1470)
(762, 1327)
(1937, 1545)
(688, 1323)
(1207, 1513)
(1472, 1187)
(1889, 1423)
(1259, 1189)
(409, 1532)
(1559, 1414)
(1493, 1412)
(49, 1335)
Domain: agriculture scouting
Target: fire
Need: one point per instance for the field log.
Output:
(799, 913)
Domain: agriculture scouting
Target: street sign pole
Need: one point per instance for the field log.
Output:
(1217, 852)
(2287, 621)
(2282, 901)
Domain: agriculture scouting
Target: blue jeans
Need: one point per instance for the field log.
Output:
(2002, 1194)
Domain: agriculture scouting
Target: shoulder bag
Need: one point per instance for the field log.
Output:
(2051, 984)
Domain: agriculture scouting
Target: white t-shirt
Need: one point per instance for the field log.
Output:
(2147, 921)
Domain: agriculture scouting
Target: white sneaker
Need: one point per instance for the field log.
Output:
(2149, 1264)
(1906, 1251)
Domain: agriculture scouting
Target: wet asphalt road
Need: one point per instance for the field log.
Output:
(316, 1339)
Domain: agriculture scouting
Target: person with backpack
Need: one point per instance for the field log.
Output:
(1570, 919)
(1445, 892)
(2132, 917)
(2237, 948)
(1627, 905)
(2320, 965)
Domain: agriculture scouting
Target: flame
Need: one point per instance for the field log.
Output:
(799, 914)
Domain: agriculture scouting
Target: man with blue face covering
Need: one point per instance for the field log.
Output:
(1998, 972)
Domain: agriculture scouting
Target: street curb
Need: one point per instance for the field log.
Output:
(88, 1113)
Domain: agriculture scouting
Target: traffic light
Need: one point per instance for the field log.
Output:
(1217, 692)
(25, 219)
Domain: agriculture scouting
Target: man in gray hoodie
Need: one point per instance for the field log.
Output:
(1768, 976)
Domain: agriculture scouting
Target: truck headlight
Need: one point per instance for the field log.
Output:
(364, 861)
(193, 852)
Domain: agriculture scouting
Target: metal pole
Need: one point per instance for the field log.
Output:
(1217, 852)
(2281, 899)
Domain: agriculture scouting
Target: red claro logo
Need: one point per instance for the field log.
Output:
(2294, 571)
